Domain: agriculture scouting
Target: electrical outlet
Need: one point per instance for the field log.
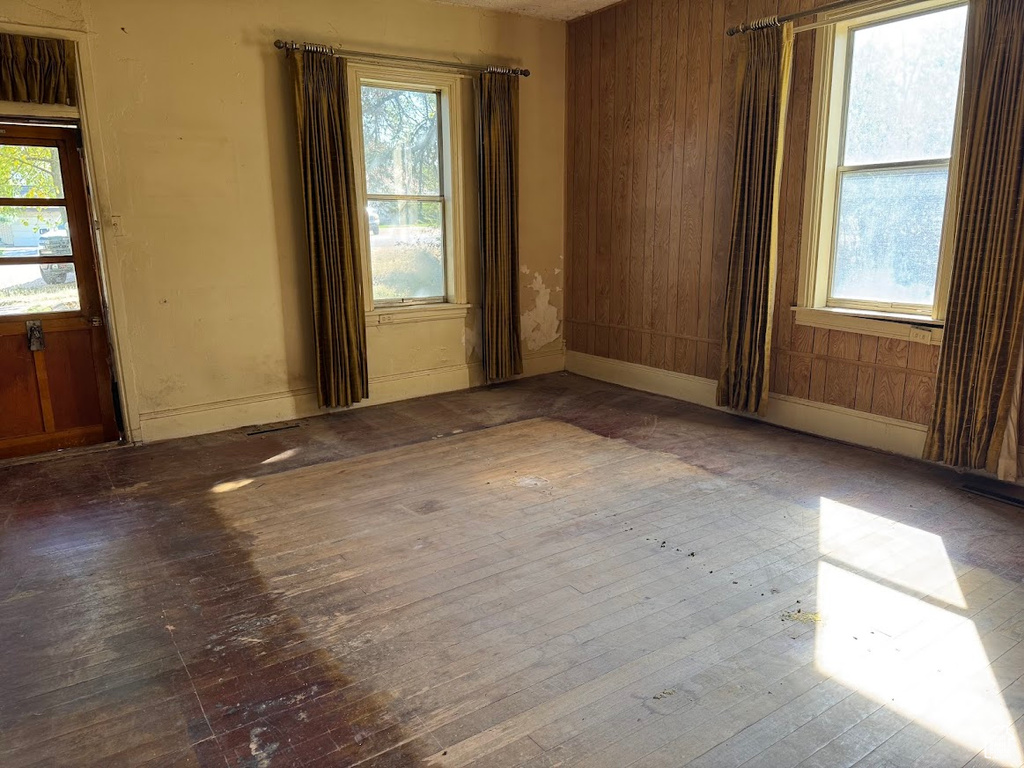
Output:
(116, 226)
(385, 319)
(921, 335)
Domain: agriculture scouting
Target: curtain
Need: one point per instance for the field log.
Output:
(498, 121)
(40, 70)
(332, 227)
(979, 379)
(750, 291)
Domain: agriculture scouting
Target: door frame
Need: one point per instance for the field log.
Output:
(97, 190)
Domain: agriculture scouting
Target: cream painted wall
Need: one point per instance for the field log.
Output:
(190, 129)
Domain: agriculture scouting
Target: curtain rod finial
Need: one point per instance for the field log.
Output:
(280, 44)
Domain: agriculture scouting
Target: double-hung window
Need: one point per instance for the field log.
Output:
(407, 136)
(887, 116)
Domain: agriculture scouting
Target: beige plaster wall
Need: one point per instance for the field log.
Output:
(191, 140)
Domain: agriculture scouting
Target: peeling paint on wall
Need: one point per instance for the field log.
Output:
(540, 325)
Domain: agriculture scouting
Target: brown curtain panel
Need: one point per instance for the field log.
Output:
(750, 290)
(332, 227)
(40, 70)
(498, 121)
(979, 366)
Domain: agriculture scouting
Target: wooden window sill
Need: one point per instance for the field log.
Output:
(922, 330)
(416, 313)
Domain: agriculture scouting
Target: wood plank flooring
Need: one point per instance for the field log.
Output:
(556, 572)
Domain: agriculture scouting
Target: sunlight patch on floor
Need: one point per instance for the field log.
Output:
(892, 629)
(230, 485)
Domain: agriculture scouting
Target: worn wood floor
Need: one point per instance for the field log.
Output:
(556, 572)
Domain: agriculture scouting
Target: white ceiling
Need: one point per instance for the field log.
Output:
(546, 9)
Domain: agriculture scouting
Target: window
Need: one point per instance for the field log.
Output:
(407, 153)
(37, 270)
(887, 112)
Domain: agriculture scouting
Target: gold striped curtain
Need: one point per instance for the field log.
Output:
(750, 290)
(498, 121)
(39, 70)
(332, 222)
(979, 379)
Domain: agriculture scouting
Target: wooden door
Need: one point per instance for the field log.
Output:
(55, 382)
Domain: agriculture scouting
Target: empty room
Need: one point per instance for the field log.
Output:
(512, 383)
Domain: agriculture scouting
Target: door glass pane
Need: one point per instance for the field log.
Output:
(32, 288)
(406, 249)
(34, 231)
(904, 80)
(400, 141)
(890, 227)
(30, 171)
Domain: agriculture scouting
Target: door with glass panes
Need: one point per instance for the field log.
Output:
(55, 382)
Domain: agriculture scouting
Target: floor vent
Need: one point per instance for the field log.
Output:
(261, 430)
(1008, 493)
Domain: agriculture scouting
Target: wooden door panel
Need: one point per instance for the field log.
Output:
(21, 413)
(59, 394)
(71, 371)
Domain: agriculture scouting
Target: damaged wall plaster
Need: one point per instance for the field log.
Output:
(541, 325)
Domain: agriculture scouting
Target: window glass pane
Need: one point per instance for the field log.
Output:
(30, 172)
(400, 142)
(889, 230)
(903, 88)
(32, 288)
(406, 249)
(30, 231)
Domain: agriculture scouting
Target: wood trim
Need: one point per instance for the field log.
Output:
(453, 117)
(398, 314)
(43, 382)
(218, 416)
(922, 330)
(825, 137)
(12, 447)
(14, 325)
(822, 419)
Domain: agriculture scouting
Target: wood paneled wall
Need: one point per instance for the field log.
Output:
(651, 145)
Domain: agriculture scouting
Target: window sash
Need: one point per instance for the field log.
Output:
(439, 199)
(408, 301)
(827, 181)
(852, 170)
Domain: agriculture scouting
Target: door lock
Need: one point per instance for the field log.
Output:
(36, 341)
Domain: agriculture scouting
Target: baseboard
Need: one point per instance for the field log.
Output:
(272, 407)
(832, 421)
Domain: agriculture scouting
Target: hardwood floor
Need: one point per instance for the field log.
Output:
(556, 572)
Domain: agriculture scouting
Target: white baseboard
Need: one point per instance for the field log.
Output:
(832, 421)
(300, 403)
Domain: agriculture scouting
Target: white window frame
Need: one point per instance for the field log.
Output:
(830, 94)
(450, 86)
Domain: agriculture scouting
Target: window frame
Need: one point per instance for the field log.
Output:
(830, 99)
(449, 87)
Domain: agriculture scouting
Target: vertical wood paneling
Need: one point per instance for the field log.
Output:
(625, 33)
(595, 180)
(579, 170)
(664, 203)
(654, 70)
(607, 141)
(639, 220)
(676, 289)
(650, 155)
(697, 36)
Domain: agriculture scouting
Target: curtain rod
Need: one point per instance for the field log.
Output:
(332, 51)
(771, 21)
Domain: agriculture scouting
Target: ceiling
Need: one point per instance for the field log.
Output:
(547, 9)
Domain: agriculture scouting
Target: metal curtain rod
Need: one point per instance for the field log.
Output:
(771, 21)
(332, 51)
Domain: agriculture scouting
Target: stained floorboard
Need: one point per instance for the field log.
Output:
(556, 572)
